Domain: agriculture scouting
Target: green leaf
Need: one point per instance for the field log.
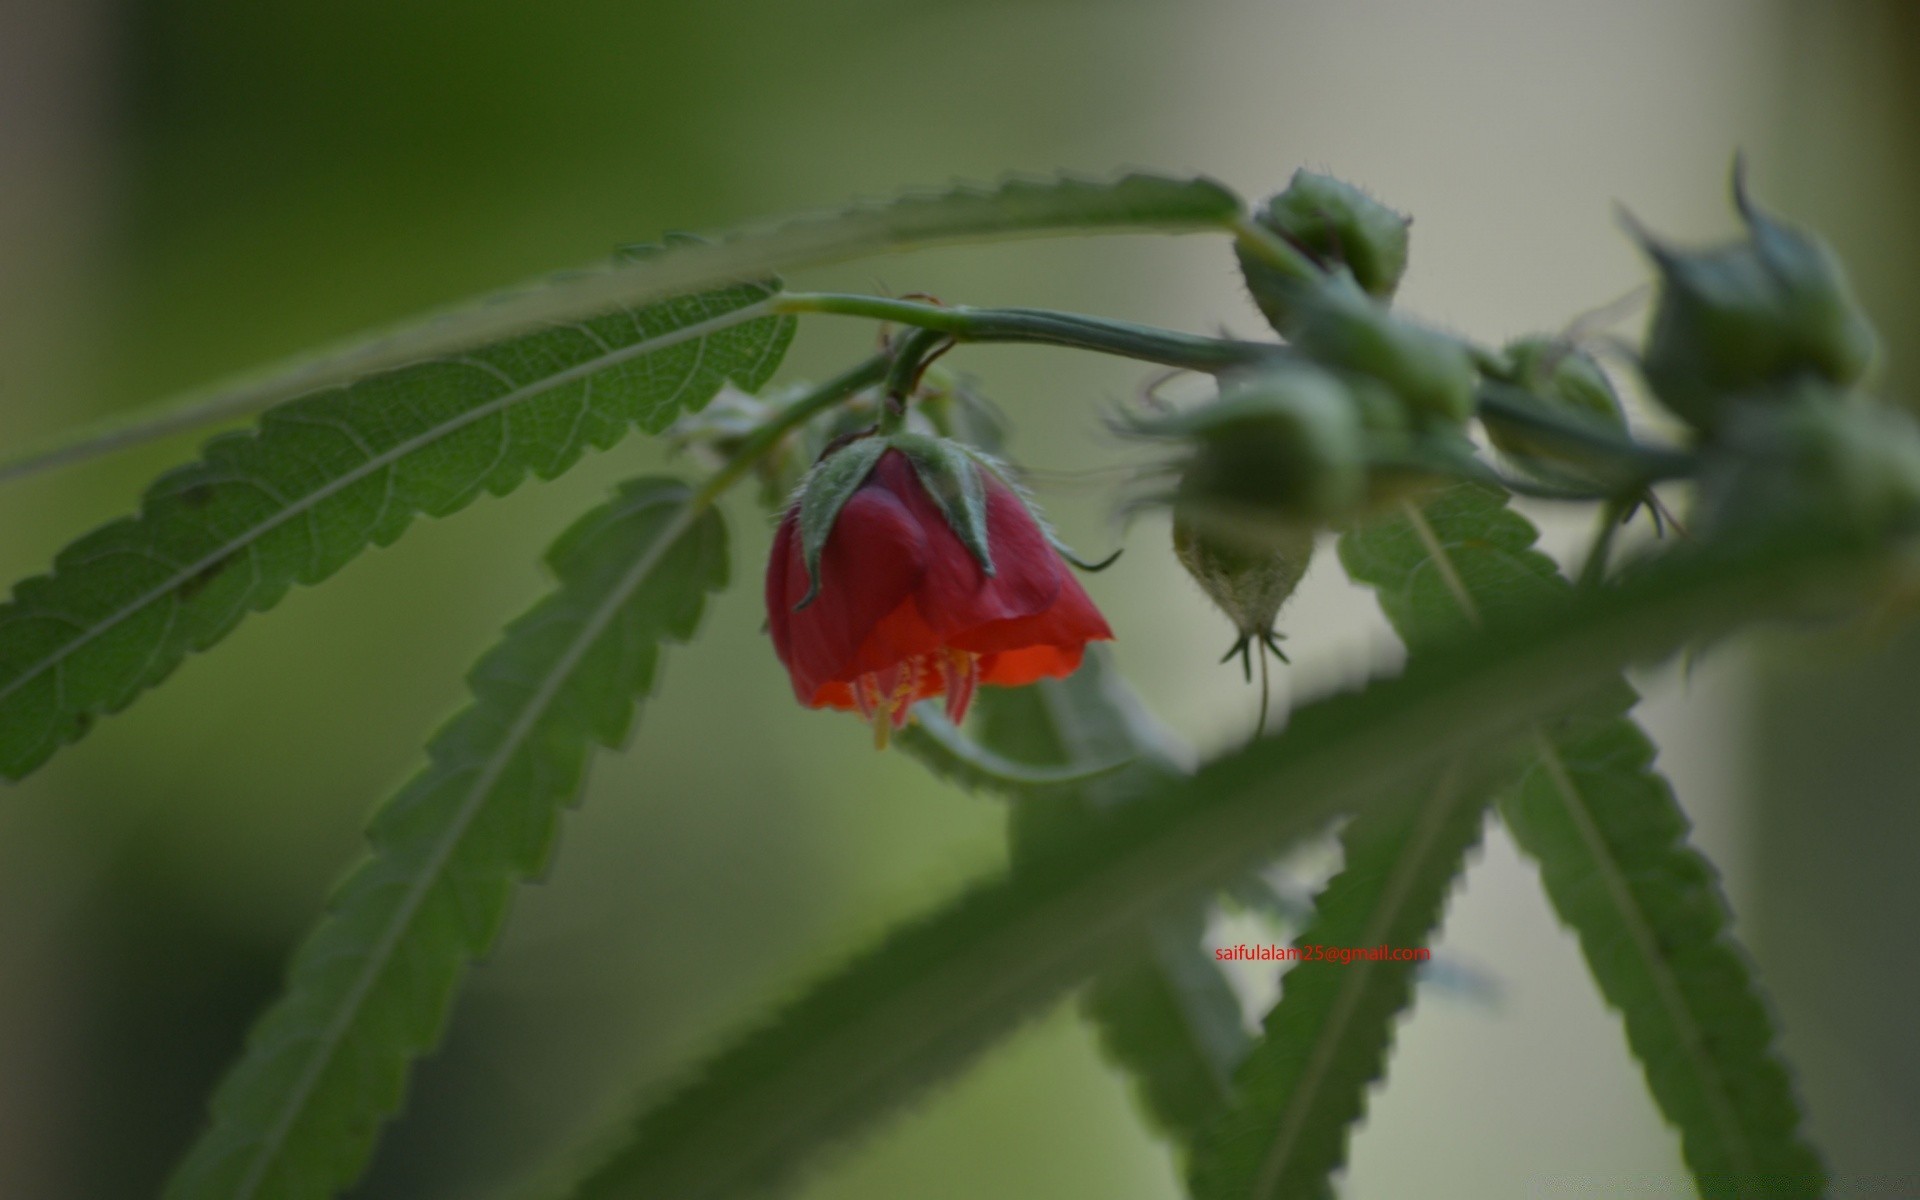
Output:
(938, 990)
(1304, 1084)
(1137, 202)
(1612, 847)
(1610, 840)
(1168, 1016)
(1164, 1011)
(328, 475)
(370, 988)
(1463, 541)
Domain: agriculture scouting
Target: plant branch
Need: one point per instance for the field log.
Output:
(1041, 327)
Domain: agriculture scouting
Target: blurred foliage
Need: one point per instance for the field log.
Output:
(284, 176)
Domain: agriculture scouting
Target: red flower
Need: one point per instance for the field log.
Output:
(905, 611)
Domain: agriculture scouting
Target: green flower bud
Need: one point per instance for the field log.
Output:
(1736, 319)
(1337, 225)
(1817, 457)
(1249, 586)
(1558, 376)
(1338, 325)
(1282, 447)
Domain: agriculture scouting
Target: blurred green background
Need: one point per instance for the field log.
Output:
(193, 187)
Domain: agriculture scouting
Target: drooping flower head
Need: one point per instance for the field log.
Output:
(908, 568)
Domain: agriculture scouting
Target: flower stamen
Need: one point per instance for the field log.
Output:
(959, 676)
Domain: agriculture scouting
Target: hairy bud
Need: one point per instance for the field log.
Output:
(1280, 447)
(1736, 320)
(1821, 457)
(1432, 374)
(1336, 225)
(1559, 376)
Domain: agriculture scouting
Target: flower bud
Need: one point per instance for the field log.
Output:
(1337, 225)
(1733, 320)
(1820, 456)
(1280, 448)
(1249, 586)
(1558, 376)
(1338, 325)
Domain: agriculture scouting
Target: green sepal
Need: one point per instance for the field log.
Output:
(1745, 319)
(1340, 325)
(1005, 474)
(951, 476)
(823, 493)
(1341, 229)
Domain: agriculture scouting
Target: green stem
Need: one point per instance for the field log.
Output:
(1594, 570)
(911, 354)
(1648, 464)
(1043, 327)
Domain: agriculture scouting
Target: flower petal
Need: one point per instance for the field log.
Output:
(956, 594)
(1016, 668)
(1072, 620)
(874, 560)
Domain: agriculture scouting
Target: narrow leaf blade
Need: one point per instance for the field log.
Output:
(1610, 840)
(1164, 1011)
(329, 475)
(934, 993)
(369, 990)
(1611, 843)
(1016, 208)
(1304, 1084)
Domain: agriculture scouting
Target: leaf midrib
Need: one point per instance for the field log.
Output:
(380, 462)
(1293, 1117)
(533, 712)
(1714, 1088)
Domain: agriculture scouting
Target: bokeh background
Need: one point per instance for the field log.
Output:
(193, 187)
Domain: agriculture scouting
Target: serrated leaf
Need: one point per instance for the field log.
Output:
(1164, 1011)
(1015, 208)
(1610, 841)
(325, 477)
(930, 996)
(1467, 541)
(1612, 847)
(1304, 1084)
(370, 988)
(1167, 1014)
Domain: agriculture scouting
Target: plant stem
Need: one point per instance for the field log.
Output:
(1648, 464)
(1041, 326)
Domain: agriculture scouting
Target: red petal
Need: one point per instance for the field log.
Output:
(956, 595)
(779, 603)
(873, 560)
(1015, 668)
(900, 635)
(897, 583)
(1072, 621)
